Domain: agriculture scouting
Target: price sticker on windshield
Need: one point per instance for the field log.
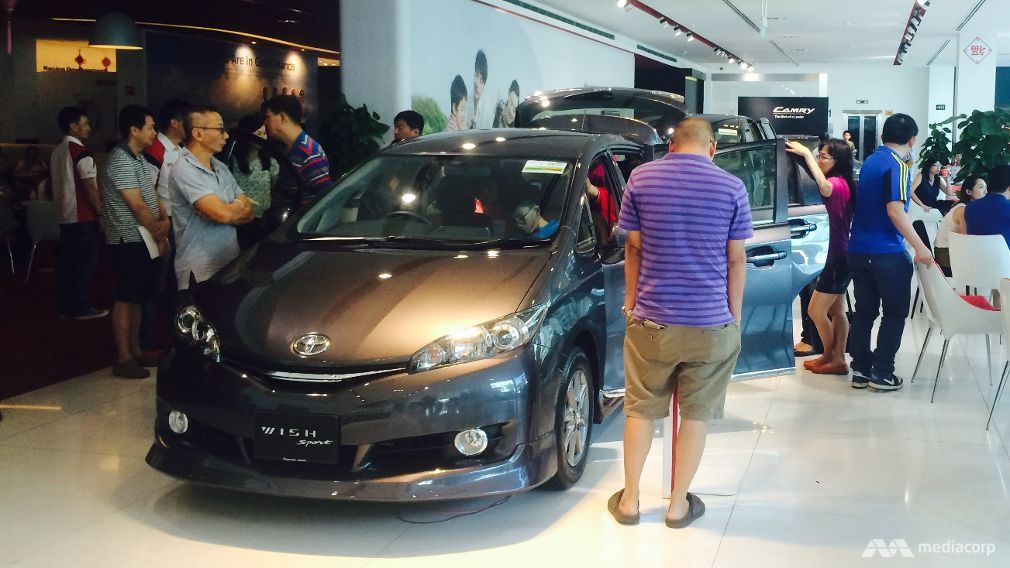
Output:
(539, 167)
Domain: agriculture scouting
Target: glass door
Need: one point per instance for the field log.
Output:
(863, 126)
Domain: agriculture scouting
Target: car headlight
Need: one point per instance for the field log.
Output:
(480, 341)
(193, 327)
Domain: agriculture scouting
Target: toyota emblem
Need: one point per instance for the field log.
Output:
(310, 345)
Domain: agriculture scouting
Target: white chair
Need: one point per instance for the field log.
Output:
(953, 315)
(979, 262)
(1004, 292)
(926, 229)
(42, 226)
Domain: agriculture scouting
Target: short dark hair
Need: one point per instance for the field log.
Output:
(286, 104)
(411, 118)
(899, 129)
(480, 65)
(457, 92)
(514, 87)
(69, 115)
(133, 116)
(173, 109)
(999, 179)
(190, 117)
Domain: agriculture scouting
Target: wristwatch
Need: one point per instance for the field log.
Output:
(627, 312)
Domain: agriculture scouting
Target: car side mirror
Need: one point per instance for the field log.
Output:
(275, 216)
(618, 236)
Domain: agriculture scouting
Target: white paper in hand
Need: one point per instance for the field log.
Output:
(152, 245)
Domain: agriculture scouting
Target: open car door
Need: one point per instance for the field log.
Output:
(767, 326)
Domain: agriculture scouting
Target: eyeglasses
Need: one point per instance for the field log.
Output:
(824, 157)
(220, 129)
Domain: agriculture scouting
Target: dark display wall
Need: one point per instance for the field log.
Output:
(789, 115)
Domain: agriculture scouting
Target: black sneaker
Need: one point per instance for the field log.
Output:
(860, 380)
(885, 382)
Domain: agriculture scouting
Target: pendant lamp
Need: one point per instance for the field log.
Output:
(114, 30)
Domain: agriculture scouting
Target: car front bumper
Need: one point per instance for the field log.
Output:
(395, 431)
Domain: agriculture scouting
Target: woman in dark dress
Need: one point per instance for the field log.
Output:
(928, 184)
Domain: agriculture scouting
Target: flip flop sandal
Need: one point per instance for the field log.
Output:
(695, 509)
(612, 505)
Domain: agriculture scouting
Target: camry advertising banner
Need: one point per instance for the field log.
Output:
(789, 115)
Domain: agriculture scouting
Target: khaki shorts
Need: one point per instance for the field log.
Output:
(698, 361)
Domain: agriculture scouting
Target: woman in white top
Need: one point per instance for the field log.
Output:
(953, 222)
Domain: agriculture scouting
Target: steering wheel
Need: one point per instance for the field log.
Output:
(410, 214)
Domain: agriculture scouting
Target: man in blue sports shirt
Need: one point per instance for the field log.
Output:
(881, 268)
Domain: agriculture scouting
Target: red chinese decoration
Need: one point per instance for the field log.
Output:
(106, 62)
(79, 60)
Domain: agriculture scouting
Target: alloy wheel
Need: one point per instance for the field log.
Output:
(576, 426)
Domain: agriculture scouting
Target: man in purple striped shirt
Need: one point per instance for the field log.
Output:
(283, 121)
(685, 265)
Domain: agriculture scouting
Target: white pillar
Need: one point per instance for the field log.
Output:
(375, 39)
(941, 95)
(976, 65)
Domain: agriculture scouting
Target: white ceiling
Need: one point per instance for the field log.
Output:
(810, 32)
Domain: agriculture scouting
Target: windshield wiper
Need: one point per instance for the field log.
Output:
(432, 243)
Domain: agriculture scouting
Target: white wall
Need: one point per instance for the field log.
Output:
(941, 92)
(887, 88)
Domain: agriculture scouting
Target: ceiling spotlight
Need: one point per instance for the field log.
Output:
(751, 68)
(690, 36)
(732, 60)
(677, 31)
(622, 3)
(664, 23)
(743, 66)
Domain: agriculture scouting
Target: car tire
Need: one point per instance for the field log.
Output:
(573, 421)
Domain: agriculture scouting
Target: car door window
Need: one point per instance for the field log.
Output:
(727, 132)
(626, 160)
(756, 166)
(606, 182)
(751, 133)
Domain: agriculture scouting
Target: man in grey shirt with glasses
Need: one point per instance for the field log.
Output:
(207, 203)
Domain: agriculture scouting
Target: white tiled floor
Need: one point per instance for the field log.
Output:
(803, 471)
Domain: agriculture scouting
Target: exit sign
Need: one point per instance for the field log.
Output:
(941, 107)
(862, 101)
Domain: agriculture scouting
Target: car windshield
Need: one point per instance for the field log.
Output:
(434, 199)
(659, 115)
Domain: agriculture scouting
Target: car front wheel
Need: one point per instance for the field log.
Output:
(573, 421)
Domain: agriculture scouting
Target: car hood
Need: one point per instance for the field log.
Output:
(377, 306)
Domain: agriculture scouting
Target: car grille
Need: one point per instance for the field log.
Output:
(311, 378)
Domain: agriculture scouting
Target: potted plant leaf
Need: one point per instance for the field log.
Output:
(984, 142)
(350, 136)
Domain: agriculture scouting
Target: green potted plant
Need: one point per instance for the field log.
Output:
(984, 142)
(350, 136)
(937, 147)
